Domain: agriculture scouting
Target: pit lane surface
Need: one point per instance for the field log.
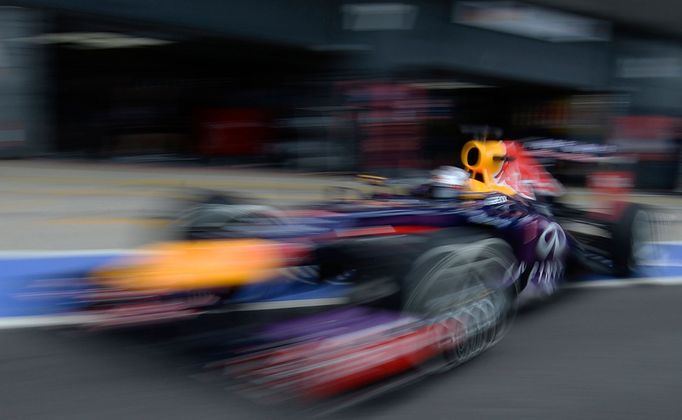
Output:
(591, 353)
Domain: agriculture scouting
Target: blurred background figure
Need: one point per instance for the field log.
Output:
(338, 86)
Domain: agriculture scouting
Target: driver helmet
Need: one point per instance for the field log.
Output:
(448, 181)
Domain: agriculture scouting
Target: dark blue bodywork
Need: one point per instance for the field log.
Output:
(540, 244)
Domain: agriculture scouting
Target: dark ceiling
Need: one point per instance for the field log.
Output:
(658, 16)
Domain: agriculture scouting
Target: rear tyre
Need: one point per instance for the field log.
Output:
(631, 238)
(224, 220)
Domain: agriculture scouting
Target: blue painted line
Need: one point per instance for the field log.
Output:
(48, 266)
(667, 263)
(50, 285)
(42, 285)
(668, 254)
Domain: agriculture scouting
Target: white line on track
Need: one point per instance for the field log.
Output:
(41, 321)
(674, 264)
(286, 304)
(644, 281)
(38, 321)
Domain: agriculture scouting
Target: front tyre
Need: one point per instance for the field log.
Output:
(467, 286)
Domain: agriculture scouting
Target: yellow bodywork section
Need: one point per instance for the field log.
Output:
(186, 265)
(484, 160)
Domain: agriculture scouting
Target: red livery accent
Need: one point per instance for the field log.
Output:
(385, 230)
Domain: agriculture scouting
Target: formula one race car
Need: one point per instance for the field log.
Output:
(451, 257)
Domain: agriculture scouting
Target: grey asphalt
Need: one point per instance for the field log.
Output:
(597, 353)
(589, 354)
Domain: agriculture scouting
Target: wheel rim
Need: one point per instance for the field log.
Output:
(466, 285)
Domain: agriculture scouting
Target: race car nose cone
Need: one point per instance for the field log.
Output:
(185, 265)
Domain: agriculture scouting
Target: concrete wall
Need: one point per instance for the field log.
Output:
(650, 70)
(297, 22)
(434, 41)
